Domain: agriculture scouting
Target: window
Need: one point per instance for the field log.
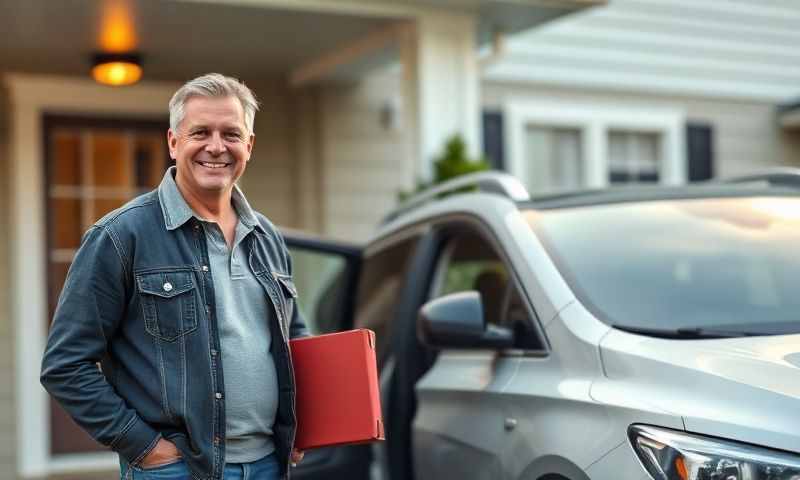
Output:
(726, 264)
(557, 145)
(633, 157)
(93, 166)
(322, 280)
(554, 158)
(379, 290)
(468, 262)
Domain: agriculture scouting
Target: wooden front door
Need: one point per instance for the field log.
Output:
(92, 166)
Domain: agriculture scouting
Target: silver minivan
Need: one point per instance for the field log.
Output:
(641, 333)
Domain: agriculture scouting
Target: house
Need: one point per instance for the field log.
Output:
(356, 96)
(666, 91)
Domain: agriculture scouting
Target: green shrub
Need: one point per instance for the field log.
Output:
(451, 163)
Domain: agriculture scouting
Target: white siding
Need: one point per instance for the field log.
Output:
(307, 151)
(743, 49)
(746, 135)
(268, 180)
(325, 159)
(362, 155)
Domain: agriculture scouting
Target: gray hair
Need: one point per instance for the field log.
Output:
(212, 85)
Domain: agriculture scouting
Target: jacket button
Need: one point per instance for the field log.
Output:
(167, 287)
(205, 268)
(218, 395)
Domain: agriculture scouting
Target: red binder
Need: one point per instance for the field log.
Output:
(338, 401)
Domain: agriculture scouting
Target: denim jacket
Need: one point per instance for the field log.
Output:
(139, 301)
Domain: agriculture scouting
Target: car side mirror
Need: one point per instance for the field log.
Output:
(456, 321)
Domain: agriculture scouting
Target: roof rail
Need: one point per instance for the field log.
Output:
(777, 177)
(496, 182)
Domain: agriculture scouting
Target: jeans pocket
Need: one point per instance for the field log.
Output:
(268, 468)
(172, 470)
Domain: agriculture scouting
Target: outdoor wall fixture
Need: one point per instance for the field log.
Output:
(117, 69)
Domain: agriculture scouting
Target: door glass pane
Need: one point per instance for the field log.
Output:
(321, 280)
(470, 263)
(379, 289)
(67, 148)
(66, 228)
(101, 206)
(110, 160)
(149, 160)
(633, 157)
(553, 159)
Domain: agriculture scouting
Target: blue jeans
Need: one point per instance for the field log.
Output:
(265, 469)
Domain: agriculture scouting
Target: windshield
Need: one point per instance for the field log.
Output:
(722, 264)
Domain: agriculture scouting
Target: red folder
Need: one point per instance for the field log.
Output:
(338, 401)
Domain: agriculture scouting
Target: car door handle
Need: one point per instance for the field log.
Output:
(510, 424)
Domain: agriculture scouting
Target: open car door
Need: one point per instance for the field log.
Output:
(326, 275)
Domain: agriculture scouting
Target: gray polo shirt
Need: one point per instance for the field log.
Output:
(243, 316)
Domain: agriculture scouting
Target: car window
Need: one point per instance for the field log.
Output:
(468, 262)
(321, 279)
(379, 289)
(726, 264)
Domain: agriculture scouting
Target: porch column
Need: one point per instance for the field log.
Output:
(441, 86)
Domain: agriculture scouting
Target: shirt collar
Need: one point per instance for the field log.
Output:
(177, 212)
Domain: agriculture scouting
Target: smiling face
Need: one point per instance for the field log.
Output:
(211, 146)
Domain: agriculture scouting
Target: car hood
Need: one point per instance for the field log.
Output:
(745, 389)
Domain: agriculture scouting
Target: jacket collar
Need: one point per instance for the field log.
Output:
(177, 212)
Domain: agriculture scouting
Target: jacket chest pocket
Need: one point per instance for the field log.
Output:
(169, 303)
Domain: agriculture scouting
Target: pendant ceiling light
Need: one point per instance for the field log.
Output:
(117, 69)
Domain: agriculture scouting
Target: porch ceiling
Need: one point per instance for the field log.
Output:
(177, 39)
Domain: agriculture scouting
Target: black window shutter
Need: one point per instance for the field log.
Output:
(493, 139)
(700, 151)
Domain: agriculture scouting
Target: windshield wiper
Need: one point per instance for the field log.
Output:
(686, 333)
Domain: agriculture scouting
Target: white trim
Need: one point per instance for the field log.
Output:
(444, 85)
(30, 97)
(594, 120)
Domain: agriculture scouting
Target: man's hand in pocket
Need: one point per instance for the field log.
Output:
(163, 453)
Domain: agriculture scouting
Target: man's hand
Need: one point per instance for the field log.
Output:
(163, 453)
(297, 456)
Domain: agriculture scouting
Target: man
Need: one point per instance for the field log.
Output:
(185, 298)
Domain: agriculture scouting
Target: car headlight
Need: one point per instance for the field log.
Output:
(672, 455)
